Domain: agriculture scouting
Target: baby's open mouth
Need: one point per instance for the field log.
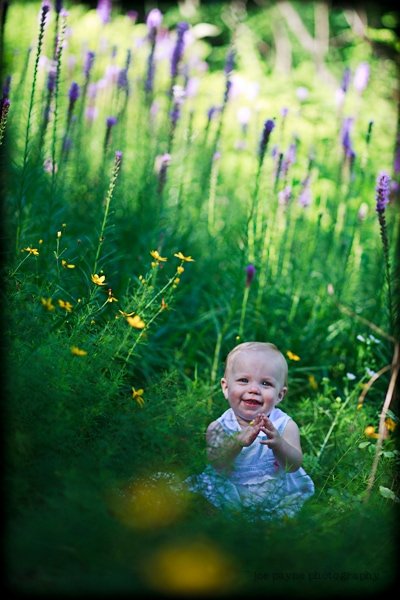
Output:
(252, 402)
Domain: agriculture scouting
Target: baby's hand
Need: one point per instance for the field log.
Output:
(247, 436)
(273, 435)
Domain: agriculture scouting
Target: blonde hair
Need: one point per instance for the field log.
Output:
(257, 346)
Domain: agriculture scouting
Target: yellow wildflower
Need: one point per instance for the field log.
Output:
(47, 303)
(313, 382)
(136, 322)
(292, 356)
(176, 280)
(390, 424)
(125, 314)
(359, 406)
(157, 257)
(138, 396)
(33, 251)
(67, 265)
(164, 305)
(370, 432)
(98, 279)
(180, 270)
(111, 298)
(66, 305)
(78, 351)
(182, 257)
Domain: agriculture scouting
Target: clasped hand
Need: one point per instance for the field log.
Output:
(260, 423)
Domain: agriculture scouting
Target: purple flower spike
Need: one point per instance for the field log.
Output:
(73, 93)
(88, 63)
(177, 54)
(58, 6)
(229, 63)
(382, 192)
(250, 273)
(111, 121)
(268, 127)
(104, 10)
(346, 79)
(45, 7)
(154, 20)
(346, 140)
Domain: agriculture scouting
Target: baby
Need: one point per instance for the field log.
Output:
(253, 447)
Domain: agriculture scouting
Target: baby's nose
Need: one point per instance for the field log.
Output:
(254, 388)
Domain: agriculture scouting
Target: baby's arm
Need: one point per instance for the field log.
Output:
(286, 447)
(222, 448)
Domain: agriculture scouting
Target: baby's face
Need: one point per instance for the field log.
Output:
(254, 384)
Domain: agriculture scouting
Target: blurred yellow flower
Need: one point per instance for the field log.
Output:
(176, 280)
(47, 303)
(185, 258)
(157, 257)
(66, 305)
(66, 264)
(164, 305)
(390, 424)
(78, 351)
(188, 568)
(149, 503)
(313, 382)
(98, 279)
(180, 270)
(33, 251)
(370, 432)
(292, 356)
(136, 322)
(138, 396)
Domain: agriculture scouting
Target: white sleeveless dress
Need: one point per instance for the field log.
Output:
(256, 481)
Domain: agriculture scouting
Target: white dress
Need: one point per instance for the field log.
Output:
(256, 481)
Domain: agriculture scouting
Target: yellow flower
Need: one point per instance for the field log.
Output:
(180, 270)
(157, 257)
(67, 265)
(138, 396)
(111, 298)
(292, 356)
(136, 322)
(359, 406)
(78, 351)
(98, 279)
(164, 305)
(370, 432)
(66, 305)
(125, 314)
(176, 280)
(185, 258)
(390, 424)
(47, 303)
(33, 251)
(313, 382)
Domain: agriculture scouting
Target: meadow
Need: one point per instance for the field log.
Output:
(173, 185)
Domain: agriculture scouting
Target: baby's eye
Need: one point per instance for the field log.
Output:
(243, 380)
(266, 383)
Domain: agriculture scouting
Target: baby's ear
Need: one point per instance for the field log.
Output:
(224, 386)
(282, 394)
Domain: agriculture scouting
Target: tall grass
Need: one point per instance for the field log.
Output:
(165, 198)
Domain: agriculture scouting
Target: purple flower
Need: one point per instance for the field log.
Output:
(361, 77)
(58, 6)
(346, 139)
(111, 121)
(104, 10)
(73, 93)
(382, 192)
(346, 79)
(45, 7)
(88, 63)
(250, 273)
(230, 61)
(305, 196)
(154, 20)
(118, 157)
(268, 127)
(179, 47)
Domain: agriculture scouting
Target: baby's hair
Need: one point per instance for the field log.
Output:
(257, 346)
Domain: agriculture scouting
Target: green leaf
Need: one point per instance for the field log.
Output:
(388, 493)
(364, 444)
